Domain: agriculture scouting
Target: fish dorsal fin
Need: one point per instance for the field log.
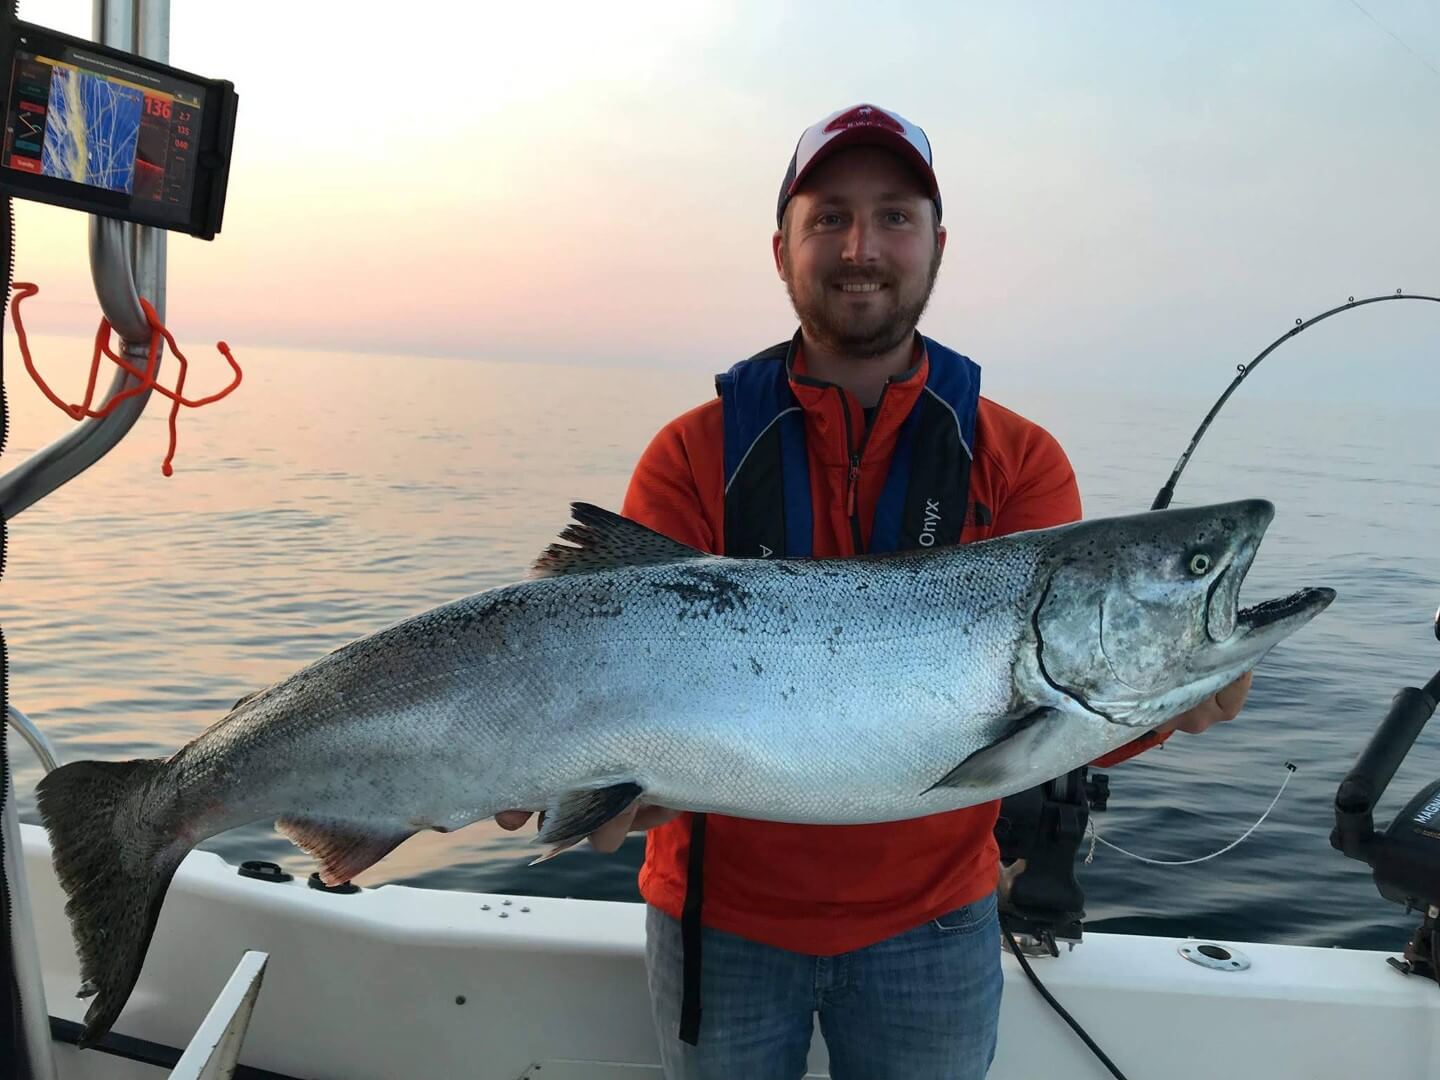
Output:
(606, 541)
(247, 698)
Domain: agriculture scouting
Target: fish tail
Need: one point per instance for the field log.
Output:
(116, 845)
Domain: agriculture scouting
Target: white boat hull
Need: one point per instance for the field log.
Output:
(404, 982)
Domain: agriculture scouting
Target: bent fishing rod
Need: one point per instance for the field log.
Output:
(1162, 500)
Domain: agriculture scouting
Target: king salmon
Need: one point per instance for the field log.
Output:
(865, 689)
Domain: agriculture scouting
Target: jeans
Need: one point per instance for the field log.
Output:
(923, 1005)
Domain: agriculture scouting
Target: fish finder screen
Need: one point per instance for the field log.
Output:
(95, 121)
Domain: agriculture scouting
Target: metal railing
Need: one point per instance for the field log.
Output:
(126, 261)
(32, 735)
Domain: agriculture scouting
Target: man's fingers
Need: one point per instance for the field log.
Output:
(1223, 705)
(611, 835)
(650, 816)
(512, 819)
(636, 818)
(1229, 699)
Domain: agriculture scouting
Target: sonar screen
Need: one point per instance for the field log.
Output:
(100, 130)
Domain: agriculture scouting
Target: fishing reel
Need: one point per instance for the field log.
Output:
(1405, 858)
(1045, 827)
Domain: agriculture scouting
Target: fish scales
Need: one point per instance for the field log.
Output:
(732, 686)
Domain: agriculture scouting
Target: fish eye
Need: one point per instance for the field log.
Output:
(1200, 564)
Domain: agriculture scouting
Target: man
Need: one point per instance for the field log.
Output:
(857, 435)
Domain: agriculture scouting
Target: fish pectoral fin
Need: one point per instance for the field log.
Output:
(1012, 758)
(344, 849)
(576, 814)
(607, 541)
(556, 850)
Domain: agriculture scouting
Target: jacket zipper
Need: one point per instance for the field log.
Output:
(852, 501)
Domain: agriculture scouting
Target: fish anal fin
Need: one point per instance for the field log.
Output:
(344, 849)
(603, 540)
(576, 814)
(1008, 759)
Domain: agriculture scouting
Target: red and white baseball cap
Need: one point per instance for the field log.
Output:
(867, 125)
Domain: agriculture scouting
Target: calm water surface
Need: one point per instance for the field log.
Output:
(334, 494)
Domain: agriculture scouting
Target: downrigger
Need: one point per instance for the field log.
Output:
(1405, 858)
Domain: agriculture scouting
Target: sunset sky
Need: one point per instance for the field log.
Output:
(1138, 195)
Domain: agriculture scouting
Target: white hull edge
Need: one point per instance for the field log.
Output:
(405, 982)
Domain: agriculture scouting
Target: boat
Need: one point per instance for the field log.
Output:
(396, 981)
(255, 973)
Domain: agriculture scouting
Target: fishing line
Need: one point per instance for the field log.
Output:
(1396, 38)
(1089, 858)
(1096, 837)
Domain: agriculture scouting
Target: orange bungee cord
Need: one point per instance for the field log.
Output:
(146, 377)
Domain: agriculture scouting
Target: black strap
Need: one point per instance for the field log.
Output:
(144, 1051)
(690, 933)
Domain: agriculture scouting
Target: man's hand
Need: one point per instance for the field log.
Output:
(1215, 710)
(609, 837)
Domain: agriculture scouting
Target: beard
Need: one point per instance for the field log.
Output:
(832, 319)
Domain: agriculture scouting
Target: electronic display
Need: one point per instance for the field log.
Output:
(103, 131)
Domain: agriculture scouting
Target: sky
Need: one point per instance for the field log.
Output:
(1139, 196)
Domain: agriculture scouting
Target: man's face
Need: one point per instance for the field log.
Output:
(860, 252)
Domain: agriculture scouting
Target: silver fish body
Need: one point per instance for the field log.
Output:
(869, 689)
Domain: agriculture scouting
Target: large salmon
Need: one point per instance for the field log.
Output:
(866, 689)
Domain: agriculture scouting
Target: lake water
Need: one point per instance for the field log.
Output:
(334, 494)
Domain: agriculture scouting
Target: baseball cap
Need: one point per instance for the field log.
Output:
(867, 125)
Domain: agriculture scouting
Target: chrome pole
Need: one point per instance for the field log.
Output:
(25, 950)
(126, 262)
(34, 736)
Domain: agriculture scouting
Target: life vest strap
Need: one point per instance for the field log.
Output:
(690, 933)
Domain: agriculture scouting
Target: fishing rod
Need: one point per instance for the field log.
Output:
(1162, 500)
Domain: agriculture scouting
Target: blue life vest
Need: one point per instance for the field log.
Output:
(768, 508)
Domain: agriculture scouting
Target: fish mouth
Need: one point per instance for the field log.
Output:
(1303, 604)
(1226, 621)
